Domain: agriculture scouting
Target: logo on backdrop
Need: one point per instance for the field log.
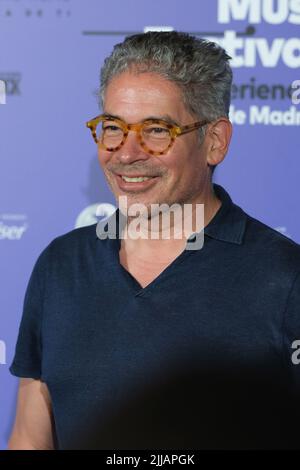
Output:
(251, 52)
(283, 230)
(247, 51)
(10, 83)
(94, 213)
(2, 352)
(2, 92)
(35, 9)
(12, 226)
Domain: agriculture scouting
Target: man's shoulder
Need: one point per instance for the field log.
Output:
(75, 241)
(77, 236)
(263, 232)
(272, 245)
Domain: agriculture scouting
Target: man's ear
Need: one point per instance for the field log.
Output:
(219, 136)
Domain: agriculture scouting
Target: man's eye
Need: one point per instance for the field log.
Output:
(157, 130)
(111, 128)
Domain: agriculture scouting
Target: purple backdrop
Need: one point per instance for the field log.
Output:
(50, 63)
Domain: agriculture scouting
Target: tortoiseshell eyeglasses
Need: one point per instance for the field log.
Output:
(155, 136)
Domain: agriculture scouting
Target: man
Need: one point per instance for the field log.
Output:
(138, 342)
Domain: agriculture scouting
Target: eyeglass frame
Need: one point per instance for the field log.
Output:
(175, 131)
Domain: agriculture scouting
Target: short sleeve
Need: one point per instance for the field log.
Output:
(28, 351)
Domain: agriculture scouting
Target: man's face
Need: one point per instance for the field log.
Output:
(179, 175)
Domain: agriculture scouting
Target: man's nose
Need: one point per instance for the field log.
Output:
(131, 150)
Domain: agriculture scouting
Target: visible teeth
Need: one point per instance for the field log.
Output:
(138, 179)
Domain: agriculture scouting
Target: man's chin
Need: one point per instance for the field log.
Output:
(134, 207)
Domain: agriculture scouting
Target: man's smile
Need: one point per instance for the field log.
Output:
(135, 182)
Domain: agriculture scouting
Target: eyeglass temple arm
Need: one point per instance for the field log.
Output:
(93, 122)
(92, 126)
(192, 127)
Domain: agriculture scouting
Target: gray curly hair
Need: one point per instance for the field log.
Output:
(199, 67)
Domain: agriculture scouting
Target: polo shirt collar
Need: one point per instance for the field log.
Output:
(229, 223)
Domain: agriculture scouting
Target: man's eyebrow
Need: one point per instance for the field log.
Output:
(164, 117)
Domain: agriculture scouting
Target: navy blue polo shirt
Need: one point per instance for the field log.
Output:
(202, 357)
